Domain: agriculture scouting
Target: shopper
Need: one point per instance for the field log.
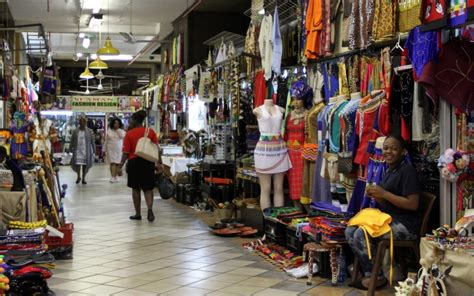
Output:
(113, 147)
(140, 171)
(398, 195)
(82, 147)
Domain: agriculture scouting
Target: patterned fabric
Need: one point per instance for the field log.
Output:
(347, 118)
(384, 19)
(354, 74)
(401, 104)
(343, 81)
(361, 20)
(408, 14)
(365, 118)
(271, 157)
(295, 136)
(325, 49)
(422, 48)
(331, 80)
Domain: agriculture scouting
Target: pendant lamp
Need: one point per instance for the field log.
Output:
(87, 73)
(108, 48)
(98, 64)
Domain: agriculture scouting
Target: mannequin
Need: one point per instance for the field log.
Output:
(302, 96)
(271, 155)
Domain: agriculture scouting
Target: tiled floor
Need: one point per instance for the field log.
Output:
(175, 255)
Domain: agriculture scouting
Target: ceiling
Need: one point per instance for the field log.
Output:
(63, 19)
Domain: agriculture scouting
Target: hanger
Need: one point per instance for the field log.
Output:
(397, 45)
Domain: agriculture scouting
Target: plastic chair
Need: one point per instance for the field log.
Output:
(427, 200)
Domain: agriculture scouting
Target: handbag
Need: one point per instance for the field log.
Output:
(345, 163)
(165, 186)
(145, 148)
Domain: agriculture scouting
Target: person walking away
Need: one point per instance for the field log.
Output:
(140, 171)
(113, 148)
(82, 147)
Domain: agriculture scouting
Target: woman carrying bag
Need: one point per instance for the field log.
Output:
(139, 147)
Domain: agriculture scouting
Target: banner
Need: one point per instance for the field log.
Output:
(104, 104)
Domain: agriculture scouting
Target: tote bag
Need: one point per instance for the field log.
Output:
(146, 149)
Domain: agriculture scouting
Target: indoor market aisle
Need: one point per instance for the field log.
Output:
(175, 255)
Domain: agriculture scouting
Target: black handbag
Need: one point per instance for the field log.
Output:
(345, 164)
(166, 188)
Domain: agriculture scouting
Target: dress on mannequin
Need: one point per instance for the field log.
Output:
(271, 154)
(295, 136)
(42, 135)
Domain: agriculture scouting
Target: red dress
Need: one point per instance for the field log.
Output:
(295, 136)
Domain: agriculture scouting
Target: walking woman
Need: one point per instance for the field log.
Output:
(140, 171)
(82, 147)
(113, 147)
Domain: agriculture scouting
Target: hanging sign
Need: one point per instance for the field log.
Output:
(123, 104)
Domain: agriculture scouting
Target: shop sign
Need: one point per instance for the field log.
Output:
(98, 103)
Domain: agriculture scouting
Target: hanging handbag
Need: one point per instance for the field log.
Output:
(145, 148)
(165, 186)
(345, 164)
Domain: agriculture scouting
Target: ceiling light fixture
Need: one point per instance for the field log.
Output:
(86, 42)
(79, 54)
(82, 35)
(98, 63)
(108, 48)
(87, 73)
(261, 11)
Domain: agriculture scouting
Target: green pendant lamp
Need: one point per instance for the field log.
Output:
(108, 48)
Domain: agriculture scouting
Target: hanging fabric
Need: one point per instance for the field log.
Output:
(277, 50)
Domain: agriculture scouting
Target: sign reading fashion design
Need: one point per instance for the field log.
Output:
(99, 103)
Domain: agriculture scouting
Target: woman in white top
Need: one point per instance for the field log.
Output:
(113, 147)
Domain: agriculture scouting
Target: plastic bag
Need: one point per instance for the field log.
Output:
(302, 271)
(165, 186)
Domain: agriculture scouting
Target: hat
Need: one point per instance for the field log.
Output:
(300, 90)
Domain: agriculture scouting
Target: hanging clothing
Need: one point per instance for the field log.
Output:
(451, 76)
(321, 187)
(310, 152)
(408, 14)
(434, 14)
(314, 26)
(331, 80)
(277, 44)
(260, 89)
(417, 128)
(354, 74)
(265, 45)
(342, 78)
(271, 153)
(19, 145)
(401, 104)
(325, 46)
(365, 118)
(282, 95)
(347, 8)
(384, 25)
(316, 82)
(422, 48)
(251, 41)
(361, 20)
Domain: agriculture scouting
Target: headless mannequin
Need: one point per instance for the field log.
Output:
(266, 179)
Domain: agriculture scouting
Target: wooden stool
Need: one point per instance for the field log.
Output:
(312, 249)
